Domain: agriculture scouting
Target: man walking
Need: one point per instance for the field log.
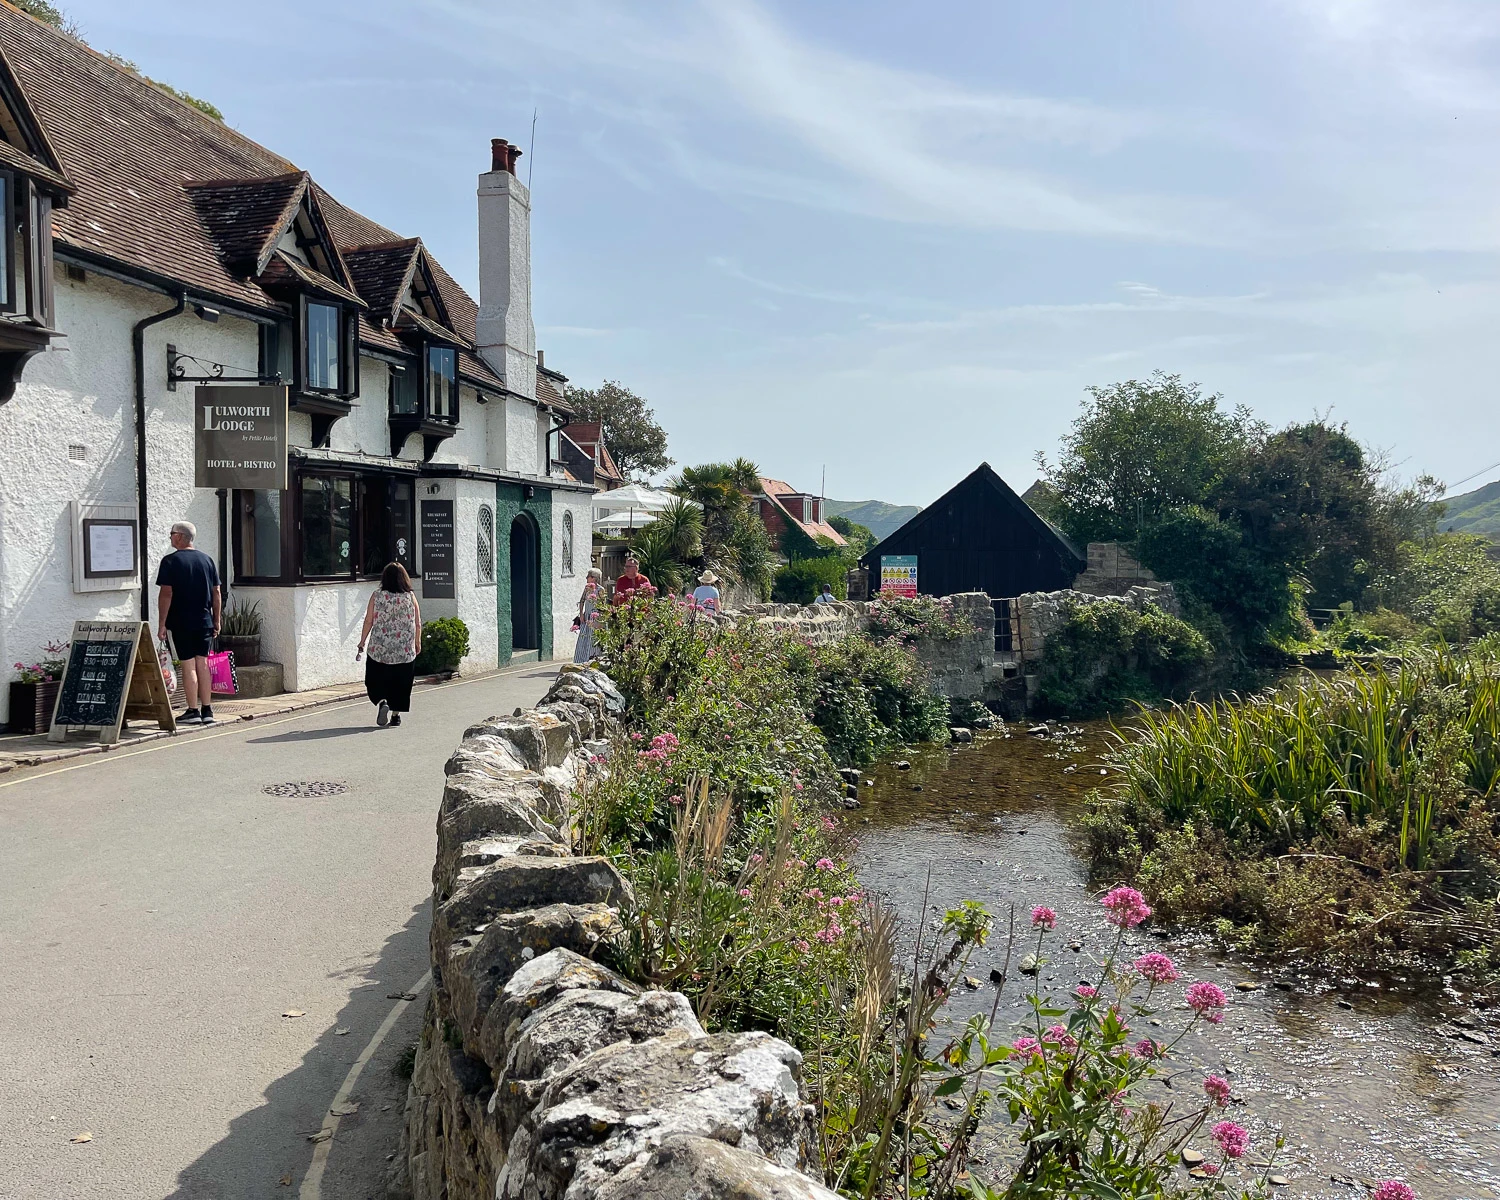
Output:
(190, 606)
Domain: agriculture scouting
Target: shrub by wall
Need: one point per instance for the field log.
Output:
(1106, 653)
(445, 642)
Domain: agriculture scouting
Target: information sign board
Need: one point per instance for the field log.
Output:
(898, 574)
(437, 549)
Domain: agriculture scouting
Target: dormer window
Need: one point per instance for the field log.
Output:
(26, 250)
(442, 383)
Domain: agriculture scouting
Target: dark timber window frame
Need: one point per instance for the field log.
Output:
(375, 524)
(26, 307)
(293, 362)
(434, 420)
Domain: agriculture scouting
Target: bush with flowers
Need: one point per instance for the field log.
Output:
(51, 667)
(909, 619)
(714, 804)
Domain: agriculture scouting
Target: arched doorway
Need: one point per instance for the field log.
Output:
(525, 584)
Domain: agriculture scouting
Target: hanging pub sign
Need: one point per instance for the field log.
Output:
(437, 549)
(898, 575)
(112, 674)
(239, 437)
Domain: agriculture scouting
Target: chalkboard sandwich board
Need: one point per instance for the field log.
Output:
(112, 675)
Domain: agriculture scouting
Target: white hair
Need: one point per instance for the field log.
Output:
(595, 573)
(188, 530)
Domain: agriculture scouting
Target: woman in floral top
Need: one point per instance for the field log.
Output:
(393, 631)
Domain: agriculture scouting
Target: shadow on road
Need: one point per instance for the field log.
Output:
(313, 735)
(266, 1151)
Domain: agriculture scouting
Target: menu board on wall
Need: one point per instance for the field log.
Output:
(437, 550)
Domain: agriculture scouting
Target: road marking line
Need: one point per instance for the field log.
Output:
(169, 743)
(312, 1183)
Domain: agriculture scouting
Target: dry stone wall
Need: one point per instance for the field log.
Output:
(1038, 614)
(541, 1073)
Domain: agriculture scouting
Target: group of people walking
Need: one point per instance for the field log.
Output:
(631, 583)
(190, 615)
(190, 611)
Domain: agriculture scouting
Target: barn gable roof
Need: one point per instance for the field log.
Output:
(985, 477)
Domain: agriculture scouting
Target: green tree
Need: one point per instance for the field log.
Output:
(1140, 449)
(49, 14)
(631, 433)
(859, 537)
(735, 541)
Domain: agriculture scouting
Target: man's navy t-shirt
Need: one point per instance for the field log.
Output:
(192, 576)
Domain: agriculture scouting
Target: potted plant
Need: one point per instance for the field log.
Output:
(240, 633)
(33, 693)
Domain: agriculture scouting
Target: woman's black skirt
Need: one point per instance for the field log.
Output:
(390, 682)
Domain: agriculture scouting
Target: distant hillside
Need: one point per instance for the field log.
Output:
(1473, 512)
(877, 516)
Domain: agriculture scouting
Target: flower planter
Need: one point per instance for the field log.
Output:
(246, 650)
(31, 706)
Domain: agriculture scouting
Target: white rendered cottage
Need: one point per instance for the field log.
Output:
(147, 246)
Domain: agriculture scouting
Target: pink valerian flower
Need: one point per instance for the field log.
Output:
(1208, 1001)
(666, 742)
(1125, 908)
(1086, 991)
(674, 800)
(1026, 1047)
(1232, 1139)
(1393, 1189)
(814, 893)
(1147, 1048)
(1158, 968)
(1043, 917)
(829, 823)
(824, 864)
(803, 945)
(637, 737)
(1217, 1089)
(831, 934)
(1060, 1035)
(745, 892)
(1209, 1169)
(757, 858)
(836, 901)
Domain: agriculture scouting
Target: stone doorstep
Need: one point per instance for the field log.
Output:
(34, 750)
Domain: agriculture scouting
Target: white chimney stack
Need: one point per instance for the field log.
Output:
(504, 332)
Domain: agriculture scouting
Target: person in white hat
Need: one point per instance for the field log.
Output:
(706, 594)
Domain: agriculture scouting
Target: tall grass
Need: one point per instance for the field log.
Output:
(1369, 744)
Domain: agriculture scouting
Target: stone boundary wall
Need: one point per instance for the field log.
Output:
(1038, 614)
(961, 669)
(541, 1073)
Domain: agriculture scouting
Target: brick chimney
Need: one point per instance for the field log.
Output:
(504, 332)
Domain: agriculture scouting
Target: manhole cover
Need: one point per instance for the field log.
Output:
(305, 788)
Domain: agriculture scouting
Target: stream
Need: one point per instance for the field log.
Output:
(1368, 1078)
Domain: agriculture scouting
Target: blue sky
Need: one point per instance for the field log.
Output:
(897, 239)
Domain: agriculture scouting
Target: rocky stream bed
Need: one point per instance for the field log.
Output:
(1368, 1078)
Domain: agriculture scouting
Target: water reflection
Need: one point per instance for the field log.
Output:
(1366, 1077)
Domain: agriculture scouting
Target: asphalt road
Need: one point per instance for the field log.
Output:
(160, 913)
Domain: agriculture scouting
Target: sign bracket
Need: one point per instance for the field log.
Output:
(214, 371)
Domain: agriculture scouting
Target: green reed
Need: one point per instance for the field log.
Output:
(1279, 766)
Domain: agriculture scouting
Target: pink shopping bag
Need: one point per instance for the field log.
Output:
(221, 673)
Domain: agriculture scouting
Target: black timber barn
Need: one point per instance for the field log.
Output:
(981, 537)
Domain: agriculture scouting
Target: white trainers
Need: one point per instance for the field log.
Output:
(383, 715)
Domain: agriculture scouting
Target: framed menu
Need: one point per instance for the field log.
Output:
(109, 547)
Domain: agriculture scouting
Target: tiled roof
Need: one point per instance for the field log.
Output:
(548, 391)
(247, 216)
(776, 492)
(167, 190)
(284, 269)
(381, 273)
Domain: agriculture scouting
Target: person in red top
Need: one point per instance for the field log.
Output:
(632, 580)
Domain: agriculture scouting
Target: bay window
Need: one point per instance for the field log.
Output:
(323, 347)
(346, 526)
(25, 275)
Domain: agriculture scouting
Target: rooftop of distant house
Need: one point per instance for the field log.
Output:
(802, 509)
